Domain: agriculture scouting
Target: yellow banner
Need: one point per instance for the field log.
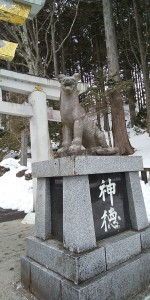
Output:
(7, 50)
(14, 12)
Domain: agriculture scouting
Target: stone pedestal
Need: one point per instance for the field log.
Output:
(92, 239)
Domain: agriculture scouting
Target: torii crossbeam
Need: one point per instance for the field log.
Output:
(38, 90)
(26, 84)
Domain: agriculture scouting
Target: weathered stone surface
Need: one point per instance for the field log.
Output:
(106, 164)
(78, 130)
(120, 283)
(21, 173)
(78, 224)
(137, 209)
(28, 175)
(91, 264)
(145, 268)
(121, 248)
(145, 238)
(3, 170)
(45, 284)
(46, 168)
(25, 272)
(83, 165)
(66, 167)
(75, 267)
(43, 209)
(89, 151)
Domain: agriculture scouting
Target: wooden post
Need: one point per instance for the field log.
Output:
(24, 145)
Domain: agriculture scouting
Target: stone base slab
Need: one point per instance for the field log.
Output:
(83, 165)
(75, 267)
(118, 268)
(81, 267)
(119, 283)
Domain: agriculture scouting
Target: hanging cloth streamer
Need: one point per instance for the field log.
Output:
(14, 12)
(7, 50)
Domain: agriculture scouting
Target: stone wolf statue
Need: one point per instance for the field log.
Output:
(79, 131)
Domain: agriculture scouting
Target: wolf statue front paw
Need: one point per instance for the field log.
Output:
(76, 148)
(62, 150)
(106, 151)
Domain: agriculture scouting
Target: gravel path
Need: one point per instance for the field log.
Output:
(12, 246)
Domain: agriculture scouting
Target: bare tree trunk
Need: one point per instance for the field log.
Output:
(98, 110)
(106, 119)
(147, 10)
(120, 135)
(97, 52)
(131, 99)
(108, 132)
(63, 70)
(54, 50)
(132, 106)
(28, 55)
(143, 62)
(136, 81)
(119, 124)
(104, 101)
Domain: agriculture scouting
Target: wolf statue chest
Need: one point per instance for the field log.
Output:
(69, 113)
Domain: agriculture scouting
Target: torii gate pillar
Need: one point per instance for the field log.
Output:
(40, 141)
(39, 128)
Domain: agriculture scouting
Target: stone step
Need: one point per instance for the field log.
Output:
(10, 215)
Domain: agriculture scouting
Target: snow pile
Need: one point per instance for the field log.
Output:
(146, 195)
(29, 218)
(141, 145)
(10, 163)
(15, 193)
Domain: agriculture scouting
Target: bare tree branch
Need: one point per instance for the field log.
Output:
(66, 37)
(46, 36)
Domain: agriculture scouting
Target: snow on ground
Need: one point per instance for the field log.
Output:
(17, 193)
(141, 145)
(146, 195)
(29, 218)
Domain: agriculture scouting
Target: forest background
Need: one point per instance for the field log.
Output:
(108, 42)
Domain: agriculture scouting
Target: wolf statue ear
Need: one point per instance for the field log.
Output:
(61, 77)
(77, 76)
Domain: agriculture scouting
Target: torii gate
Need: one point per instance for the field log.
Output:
(38, 90)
